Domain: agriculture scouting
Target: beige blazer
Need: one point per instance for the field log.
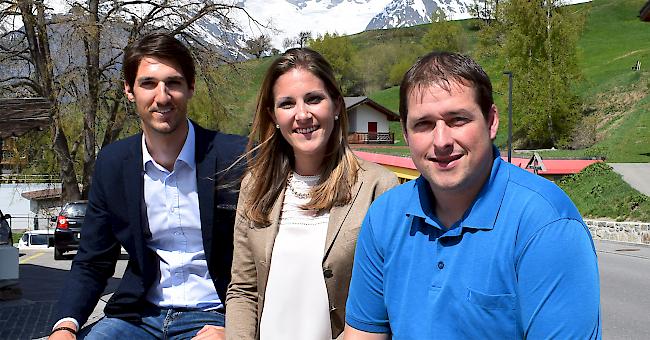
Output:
(254, 245)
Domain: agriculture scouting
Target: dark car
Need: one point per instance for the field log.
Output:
(5, 229)
(68, 228)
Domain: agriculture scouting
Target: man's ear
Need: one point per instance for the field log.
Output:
(191, 89)
(493, 121)
(406, 140)
(128, 92)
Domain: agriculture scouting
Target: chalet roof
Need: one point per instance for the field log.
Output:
(352, 102)
(19, 115)
(42, 194)
(644, 14)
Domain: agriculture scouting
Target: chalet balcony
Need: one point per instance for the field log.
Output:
(371, 138)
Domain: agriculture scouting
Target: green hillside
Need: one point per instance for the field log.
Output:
(598, 191)
(617, 99)
(234, 93)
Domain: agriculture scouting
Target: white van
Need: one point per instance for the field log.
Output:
(35, 239)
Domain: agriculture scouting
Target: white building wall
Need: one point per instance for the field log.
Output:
(352, 120)
(22, 211)
(365, 114)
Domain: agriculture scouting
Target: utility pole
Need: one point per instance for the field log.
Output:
(509, 74)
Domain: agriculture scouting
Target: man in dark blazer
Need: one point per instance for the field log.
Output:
(167, 196)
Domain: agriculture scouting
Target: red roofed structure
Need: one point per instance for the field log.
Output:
(552, 169)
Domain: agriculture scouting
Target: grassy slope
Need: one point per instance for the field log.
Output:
(236, 92)
(612, 41)
(614, 38)
(598, 191)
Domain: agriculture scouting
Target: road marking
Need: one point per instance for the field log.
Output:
(623, 254)
(29, 258)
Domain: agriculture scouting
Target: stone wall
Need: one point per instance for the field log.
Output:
(634, 232)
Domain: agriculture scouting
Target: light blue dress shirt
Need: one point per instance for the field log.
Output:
(175, 222)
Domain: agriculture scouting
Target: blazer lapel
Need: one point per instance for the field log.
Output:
(132, 172)
(337, 217)
(274, 227)
(206, 161)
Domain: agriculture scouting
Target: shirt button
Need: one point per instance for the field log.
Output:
(441, 265)
(328, 273)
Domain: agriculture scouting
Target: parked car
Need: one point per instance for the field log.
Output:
(35, 239)
(68, 228)
(5, 229)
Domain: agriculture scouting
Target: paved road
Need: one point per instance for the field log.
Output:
(636, 175)
(41, 281)
(624, 275)
(625, 286)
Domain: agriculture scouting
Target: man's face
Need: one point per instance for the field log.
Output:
(449, 139)
(160, 93)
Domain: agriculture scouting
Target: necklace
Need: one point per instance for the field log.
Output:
(299, 194)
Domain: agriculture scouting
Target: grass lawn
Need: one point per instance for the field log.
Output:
(611, 44)
(402, 151)
(599, 192)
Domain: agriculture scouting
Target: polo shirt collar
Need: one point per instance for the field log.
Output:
(483, 211)
(187, 154)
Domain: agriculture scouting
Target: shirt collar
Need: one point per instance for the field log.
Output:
(187, 154)
(483, 211)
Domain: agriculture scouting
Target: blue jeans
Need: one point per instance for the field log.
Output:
(167, 324)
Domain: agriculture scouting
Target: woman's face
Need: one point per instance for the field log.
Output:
(306, 114)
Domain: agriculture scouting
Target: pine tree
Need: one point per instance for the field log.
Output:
(537, 40)
(444, 35)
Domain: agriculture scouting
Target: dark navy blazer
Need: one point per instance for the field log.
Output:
(116, 216)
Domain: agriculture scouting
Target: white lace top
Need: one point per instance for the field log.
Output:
(296, 304)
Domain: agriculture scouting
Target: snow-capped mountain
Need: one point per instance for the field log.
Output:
(405, 13)
(281, 19)
(289, 17)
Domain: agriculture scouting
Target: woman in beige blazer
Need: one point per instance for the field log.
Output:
(300, 208)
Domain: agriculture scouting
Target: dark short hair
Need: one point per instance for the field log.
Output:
(161, 45)
(442, 69)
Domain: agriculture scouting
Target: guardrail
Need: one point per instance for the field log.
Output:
(30, 222)
(371, 138)
(18, 178)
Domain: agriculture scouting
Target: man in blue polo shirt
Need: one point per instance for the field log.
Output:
(475, 248)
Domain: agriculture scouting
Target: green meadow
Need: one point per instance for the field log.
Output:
(616, 100)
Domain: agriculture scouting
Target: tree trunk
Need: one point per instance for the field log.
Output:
(39, 48)
(91, 45)
(70, 186)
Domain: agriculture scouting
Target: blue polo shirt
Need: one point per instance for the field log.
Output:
(519, 264)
